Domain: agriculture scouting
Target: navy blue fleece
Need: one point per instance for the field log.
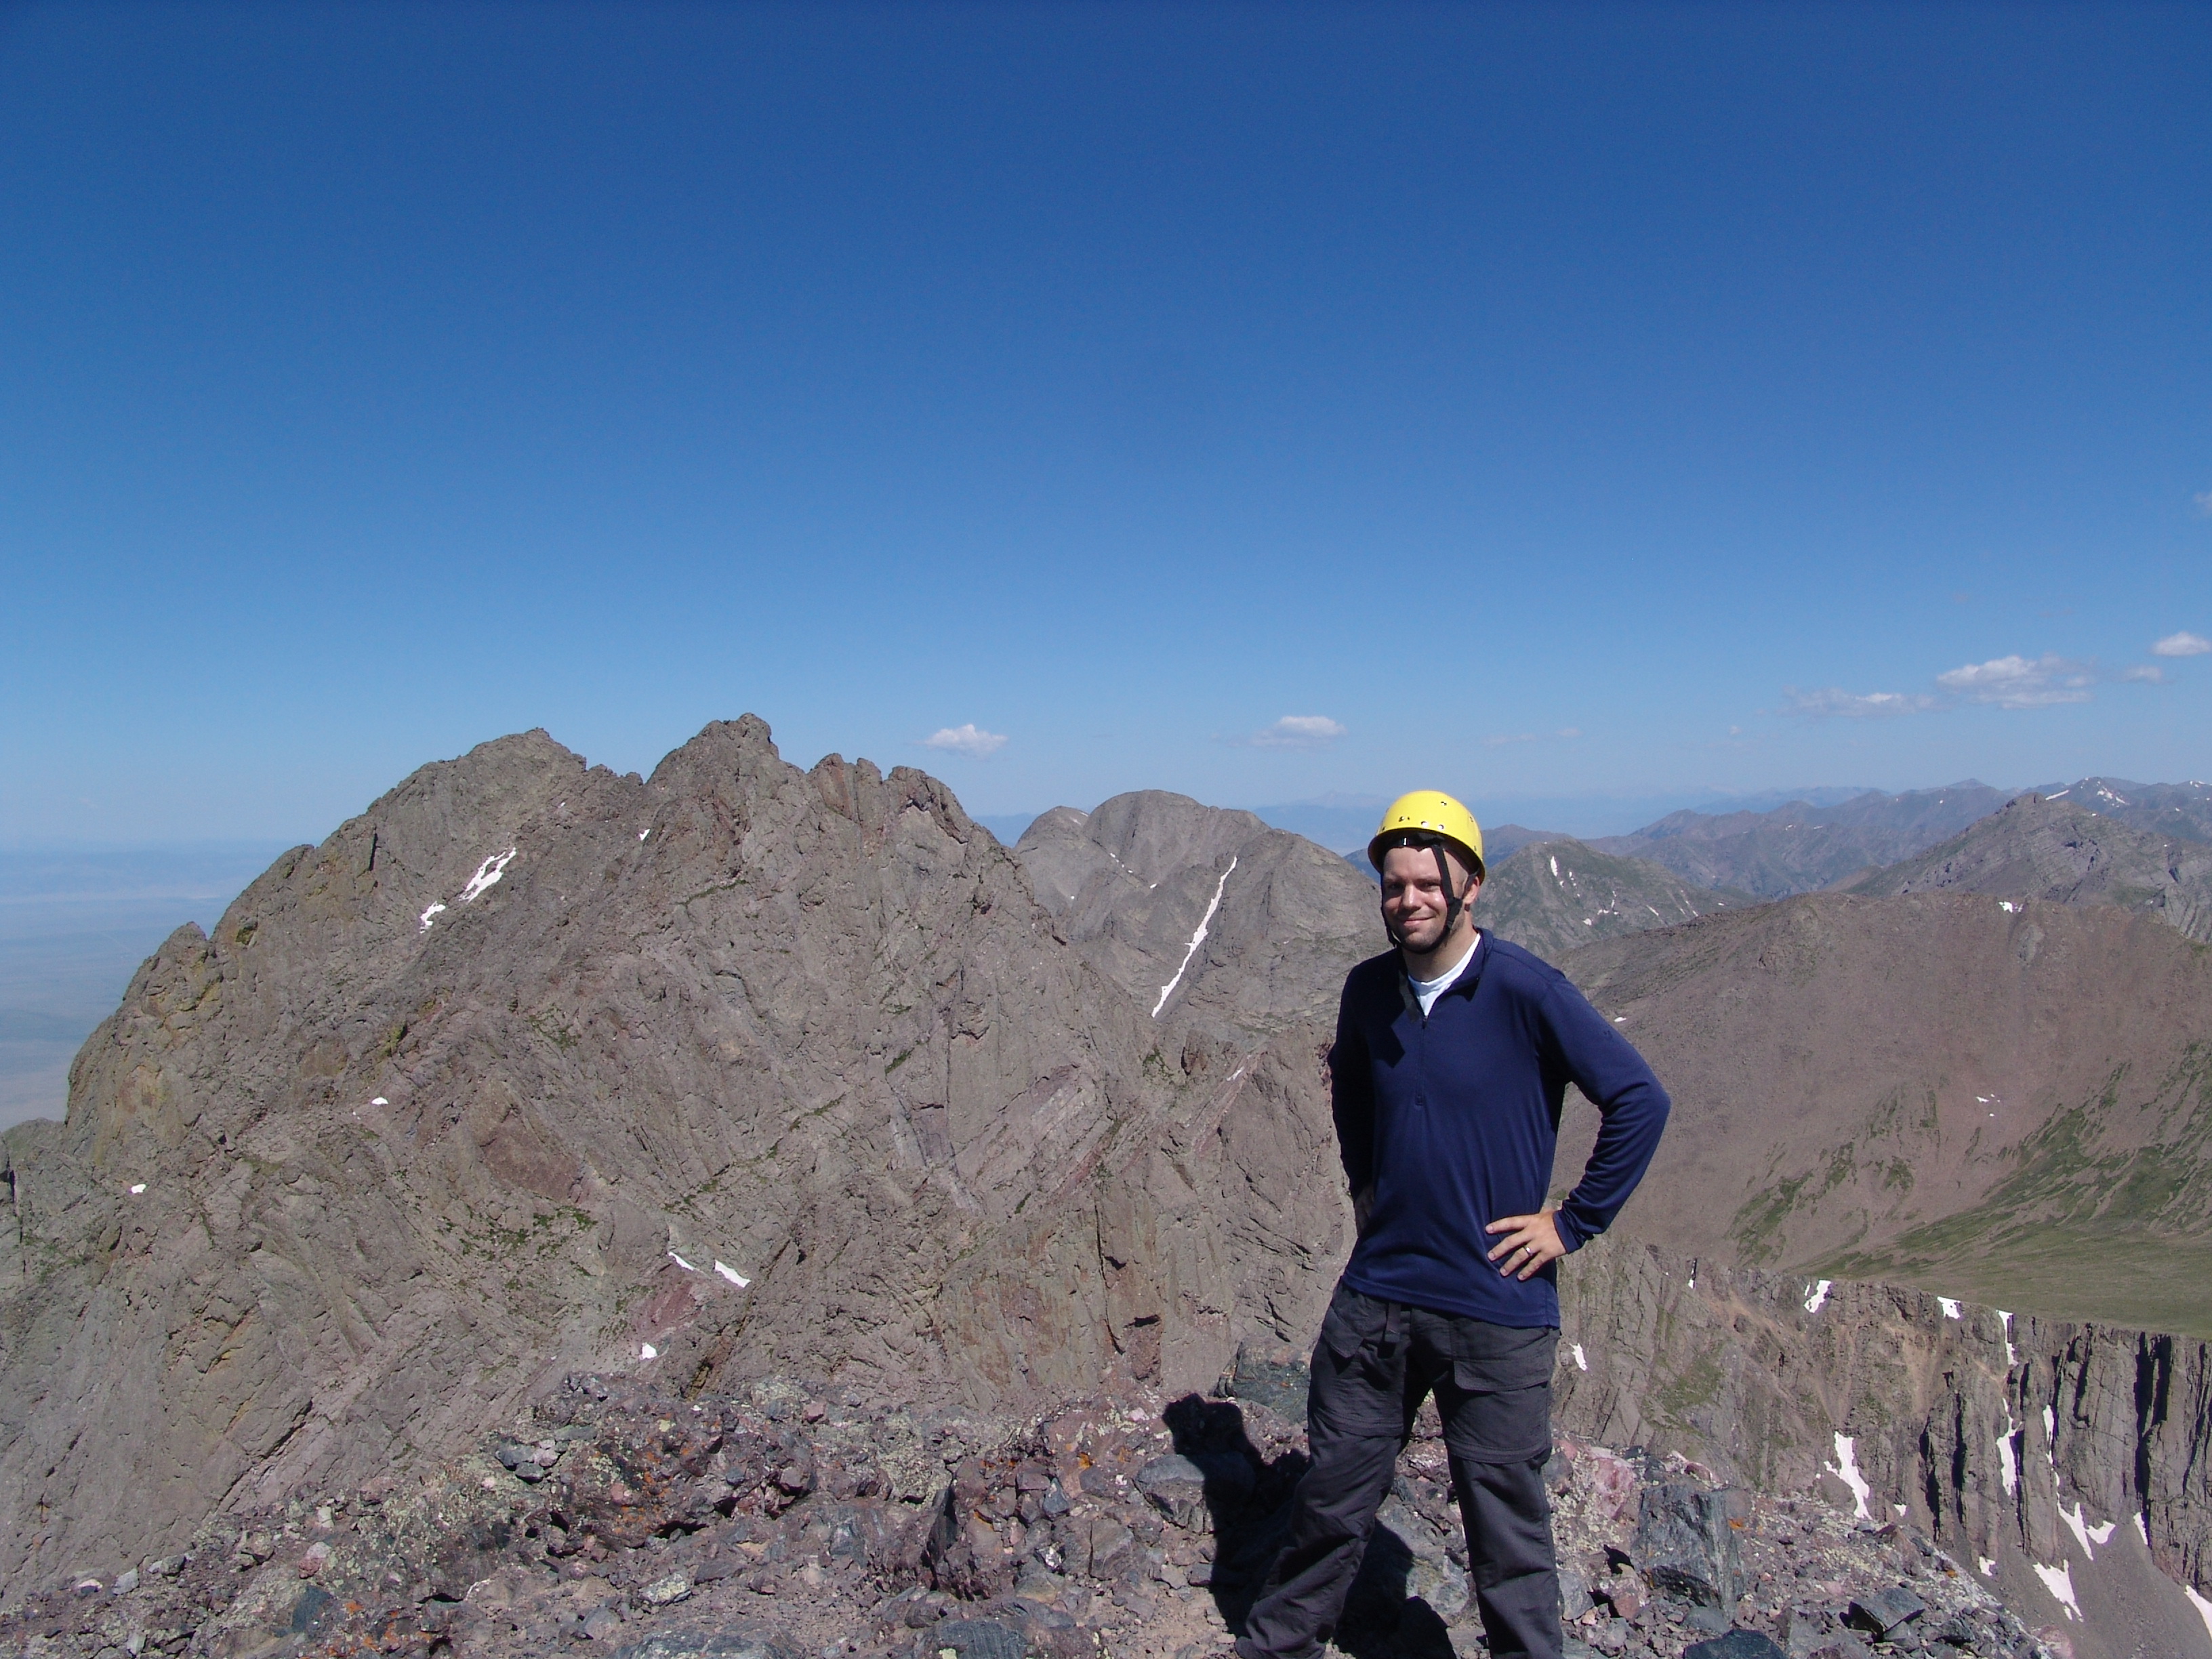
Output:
(1454, 1119)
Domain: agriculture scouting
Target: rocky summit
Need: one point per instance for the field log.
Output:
(1554, 896)
(749, 1210)
(1142, 883)
(733, 1070)
(1956, 1512)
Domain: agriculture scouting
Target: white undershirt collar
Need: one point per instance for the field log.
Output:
(1426, 991)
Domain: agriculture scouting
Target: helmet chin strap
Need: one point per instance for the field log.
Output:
(1453, 902)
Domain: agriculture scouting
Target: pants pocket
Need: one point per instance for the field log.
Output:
(1488, 1358)
(1499, 1426)
(1352, 1322)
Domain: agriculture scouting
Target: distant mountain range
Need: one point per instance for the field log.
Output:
(1802, 847)
(1799, 848)
(2099, 841)
(2065, 851)
(2163, 809)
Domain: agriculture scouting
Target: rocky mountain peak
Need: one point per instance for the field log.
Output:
(1203, 910)
(531, 1065)
(2063, 849)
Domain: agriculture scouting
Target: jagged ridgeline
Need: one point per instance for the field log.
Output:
(523, 1069)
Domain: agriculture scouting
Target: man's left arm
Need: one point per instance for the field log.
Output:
(1606, 1068)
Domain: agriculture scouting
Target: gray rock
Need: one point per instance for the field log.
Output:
(1177, 1487)
(1108, 1548)
(1279, 1383)
(1132, 881)
(1193, 1490)
(315, 1607)
(1882, 1611)
(602, 1624)
(2065, 851)
(1685, 1547)
(1736, 1644)
(1958, 1630)
(978, 1638)
(703, 1644)
(1574, 1593)
(1431, 1573)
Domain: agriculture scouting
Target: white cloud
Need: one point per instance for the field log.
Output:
(1298, 732)
(2017, 682)
(2149, 673)
(2203, 503)
(1854, 705)
(965, 740)
(2184, 644)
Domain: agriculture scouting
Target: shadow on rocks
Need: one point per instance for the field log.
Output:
(1245, 1501)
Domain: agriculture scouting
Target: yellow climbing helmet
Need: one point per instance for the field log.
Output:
(1422, 818)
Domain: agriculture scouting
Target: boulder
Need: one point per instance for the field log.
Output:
(1736, 1644)
(1685, 1545)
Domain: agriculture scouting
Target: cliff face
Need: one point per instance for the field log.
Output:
(525, 1068)
(2063, 1459)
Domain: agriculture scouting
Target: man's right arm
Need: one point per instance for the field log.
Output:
(1352, 1103)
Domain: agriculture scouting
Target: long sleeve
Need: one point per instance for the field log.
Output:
(1352, 1096)
(1606, 1068)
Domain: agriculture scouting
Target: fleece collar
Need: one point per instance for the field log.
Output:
(1464, 985)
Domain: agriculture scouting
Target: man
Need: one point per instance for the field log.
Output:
(1453, 1052)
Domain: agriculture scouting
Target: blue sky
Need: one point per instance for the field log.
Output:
(1551, 403)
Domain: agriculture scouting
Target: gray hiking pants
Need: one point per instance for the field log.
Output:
(1375, 1363)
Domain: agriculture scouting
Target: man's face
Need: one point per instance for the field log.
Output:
(1414, 897)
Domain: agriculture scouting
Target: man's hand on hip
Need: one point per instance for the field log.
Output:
(1530, 1242)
